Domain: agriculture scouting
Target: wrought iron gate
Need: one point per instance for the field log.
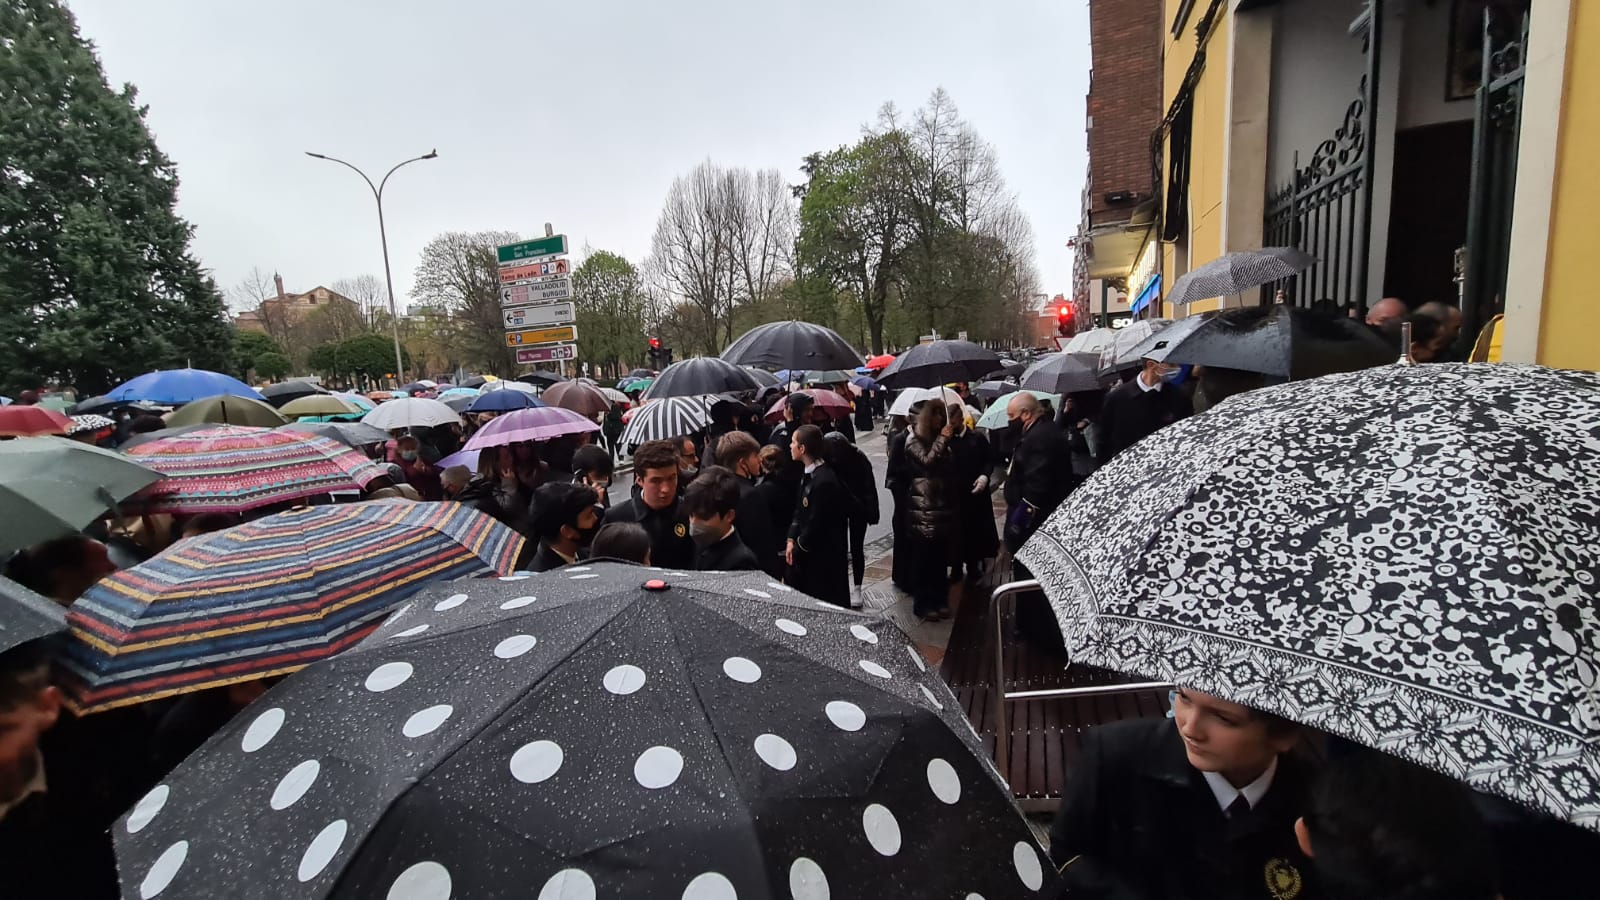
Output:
(1494, 170)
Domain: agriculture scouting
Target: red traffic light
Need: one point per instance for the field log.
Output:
(655, 343)
(1065, 312)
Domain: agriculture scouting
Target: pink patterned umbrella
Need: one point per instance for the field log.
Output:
(540, 424)
(231, 468)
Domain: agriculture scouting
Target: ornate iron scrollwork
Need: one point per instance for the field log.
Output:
(1340, 152)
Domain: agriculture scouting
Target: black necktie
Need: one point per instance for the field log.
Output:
(1239, 808)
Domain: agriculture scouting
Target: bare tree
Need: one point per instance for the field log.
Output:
(459, 275)
(368, 293)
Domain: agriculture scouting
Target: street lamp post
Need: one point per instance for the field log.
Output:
(383, 235)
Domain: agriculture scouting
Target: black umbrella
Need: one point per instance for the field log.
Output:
(543, 379)
(355, 434)
(26, 616)
(415, 387)
(767, 379)
(1442, 605)
(1283, 341)
(1235, 273)
(1063, 373)
(701, 375)
(284, 391)
(103, 404)
(993, 390)
(792, 345)
(595, 731)
(939, 362)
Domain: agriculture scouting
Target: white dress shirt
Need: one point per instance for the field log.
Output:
(1252, 792)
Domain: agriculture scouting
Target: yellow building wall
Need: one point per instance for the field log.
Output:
(1569, 329)
(1208, 154)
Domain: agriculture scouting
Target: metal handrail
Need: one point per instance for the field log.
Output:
(1002, 727)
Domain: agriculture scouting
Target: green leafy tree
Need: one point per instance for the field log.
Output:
(610, 302)
(250, 346)
(368, 355)
(96, 280)
(272, 366)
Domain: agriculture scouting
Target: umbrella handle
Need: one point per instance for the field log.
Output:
(1405, 345)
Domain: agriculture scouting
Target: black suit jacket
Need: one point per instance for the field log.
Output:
(670, 544)
(545, 559)
(1138, 822)
(821, 533)
(759, 529)
(1040, 475)
(727, 555)
(1130, 414)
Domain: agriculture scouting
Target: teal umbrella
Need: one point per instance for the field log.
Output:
(994, 417)
(51, 486)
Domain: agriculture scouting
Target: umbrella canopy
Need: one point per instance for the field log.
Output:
(163, 433)
(590, 733)
(458, 392)
(267, 597)
(673, 417)
(25, 421)
(792, 345)
(1283, 341)
(351, 434)
(498, 401)
(994, 417)
(468, 458)
(228, 468)
(701, 375)
(881, 361)
(767, 379)
(642, 373)
(476, 381)
(828, 376)
(864, 382)
(994, 390)
(90, 422)
(411, 412)
(518, 386)
(541, 379)
(50, 487)
(415, 387)
(829, 402)
(616, 396)
(1119, 354)
(939, 362)
(228, 409)
(1441, 606)
(1160, 343)
(26, 616)
(1093, 341)
(584, 399)
(1235, 273)
(179, 386)
(635, 385)
(538, 424)
(284, 391)
(1062, 373)
(103, 404)
(320, 405)
(912, 396)
(458, 402)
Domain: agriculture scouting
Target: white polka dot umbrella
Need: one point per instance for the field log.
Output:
(586, 734)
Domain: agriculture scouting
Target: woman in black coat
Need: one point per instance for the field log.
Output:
(817, 554)
(931, 515)
(974, 509)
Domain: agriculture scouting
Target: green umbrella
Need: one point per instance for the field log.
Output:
(227, 409)
(52, 486)
(995, 416)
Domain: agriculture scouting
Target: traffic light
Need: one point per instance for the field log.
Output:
(1064, 321)
(655, 354)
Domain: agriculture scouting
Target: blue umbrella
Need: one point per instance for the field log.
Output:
(503, 401)
(865, 383)
(785, 376)
(176, 387)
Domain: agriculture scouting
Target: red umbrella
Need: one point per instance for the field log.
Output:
(828, 401)
(23, 421)
(880, 362)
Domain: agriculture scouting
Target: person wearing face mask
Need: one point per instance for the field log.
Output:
(712, 501)
(417, 471)
(740, 453)
(1139, 407)
(565, 519)
(1037, 481)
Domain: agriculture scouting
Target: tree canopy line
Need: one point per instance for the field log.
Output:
(910, 229)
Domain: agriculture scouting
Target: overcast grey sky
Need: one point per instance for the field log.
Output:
(577, 113)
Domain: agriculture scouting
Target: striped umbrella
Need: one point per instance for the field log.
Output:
(230, 468)
(267, 597)
(672, 417)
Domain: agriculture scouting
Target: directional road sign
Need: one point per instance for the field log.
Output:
(539, 248)
(519, 317)
(546, 291)
(509, 274)
(547, 353)
(541, 336)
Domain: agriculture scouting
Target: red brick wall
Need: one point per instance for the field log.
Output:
(1124, 102)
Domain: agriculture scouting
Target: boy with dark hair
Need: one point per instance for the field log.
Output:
(592, 466)
(1378, 828)
(655, 506)
(712, 502)
(1199, 808)
(623, 541)
(564, 521)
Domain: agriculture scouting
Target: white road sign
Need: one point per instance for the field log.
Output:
(519, 317)
(547, 291)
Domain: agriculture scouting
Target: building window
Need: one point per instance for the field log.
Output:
(1182, 17)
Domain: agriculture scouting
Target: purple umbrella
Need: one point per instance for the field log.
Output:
(468, 458)
(539, 424)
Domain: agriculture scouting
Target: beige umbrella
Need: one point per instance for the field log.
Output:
(319, 405)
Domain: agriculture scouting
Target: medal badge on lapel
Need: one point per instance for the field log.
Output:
(680, 529)
(805, 501)
(1283, 880)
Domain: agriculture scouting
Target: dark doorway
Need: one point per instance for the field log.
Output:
(1428, 214)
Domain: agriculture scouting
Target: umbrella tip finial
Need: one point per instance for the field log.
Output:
(1405, 345)
(655, 584)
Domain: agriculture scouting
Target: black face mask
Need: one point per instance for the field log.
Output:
(1014, 428)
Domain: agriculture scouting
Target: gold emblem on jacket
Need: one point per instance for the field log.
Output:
(680, 529)
(1283, 880)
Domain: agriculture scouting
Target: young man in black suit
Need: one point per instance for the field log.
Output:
(1199, 808)
(712, 502)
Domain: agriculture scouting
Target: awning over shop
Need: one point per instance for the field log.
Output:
(1152, 290)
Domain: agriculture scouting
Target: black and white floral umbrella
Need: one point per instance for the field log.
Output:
(586, 733)
(1406, 556)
